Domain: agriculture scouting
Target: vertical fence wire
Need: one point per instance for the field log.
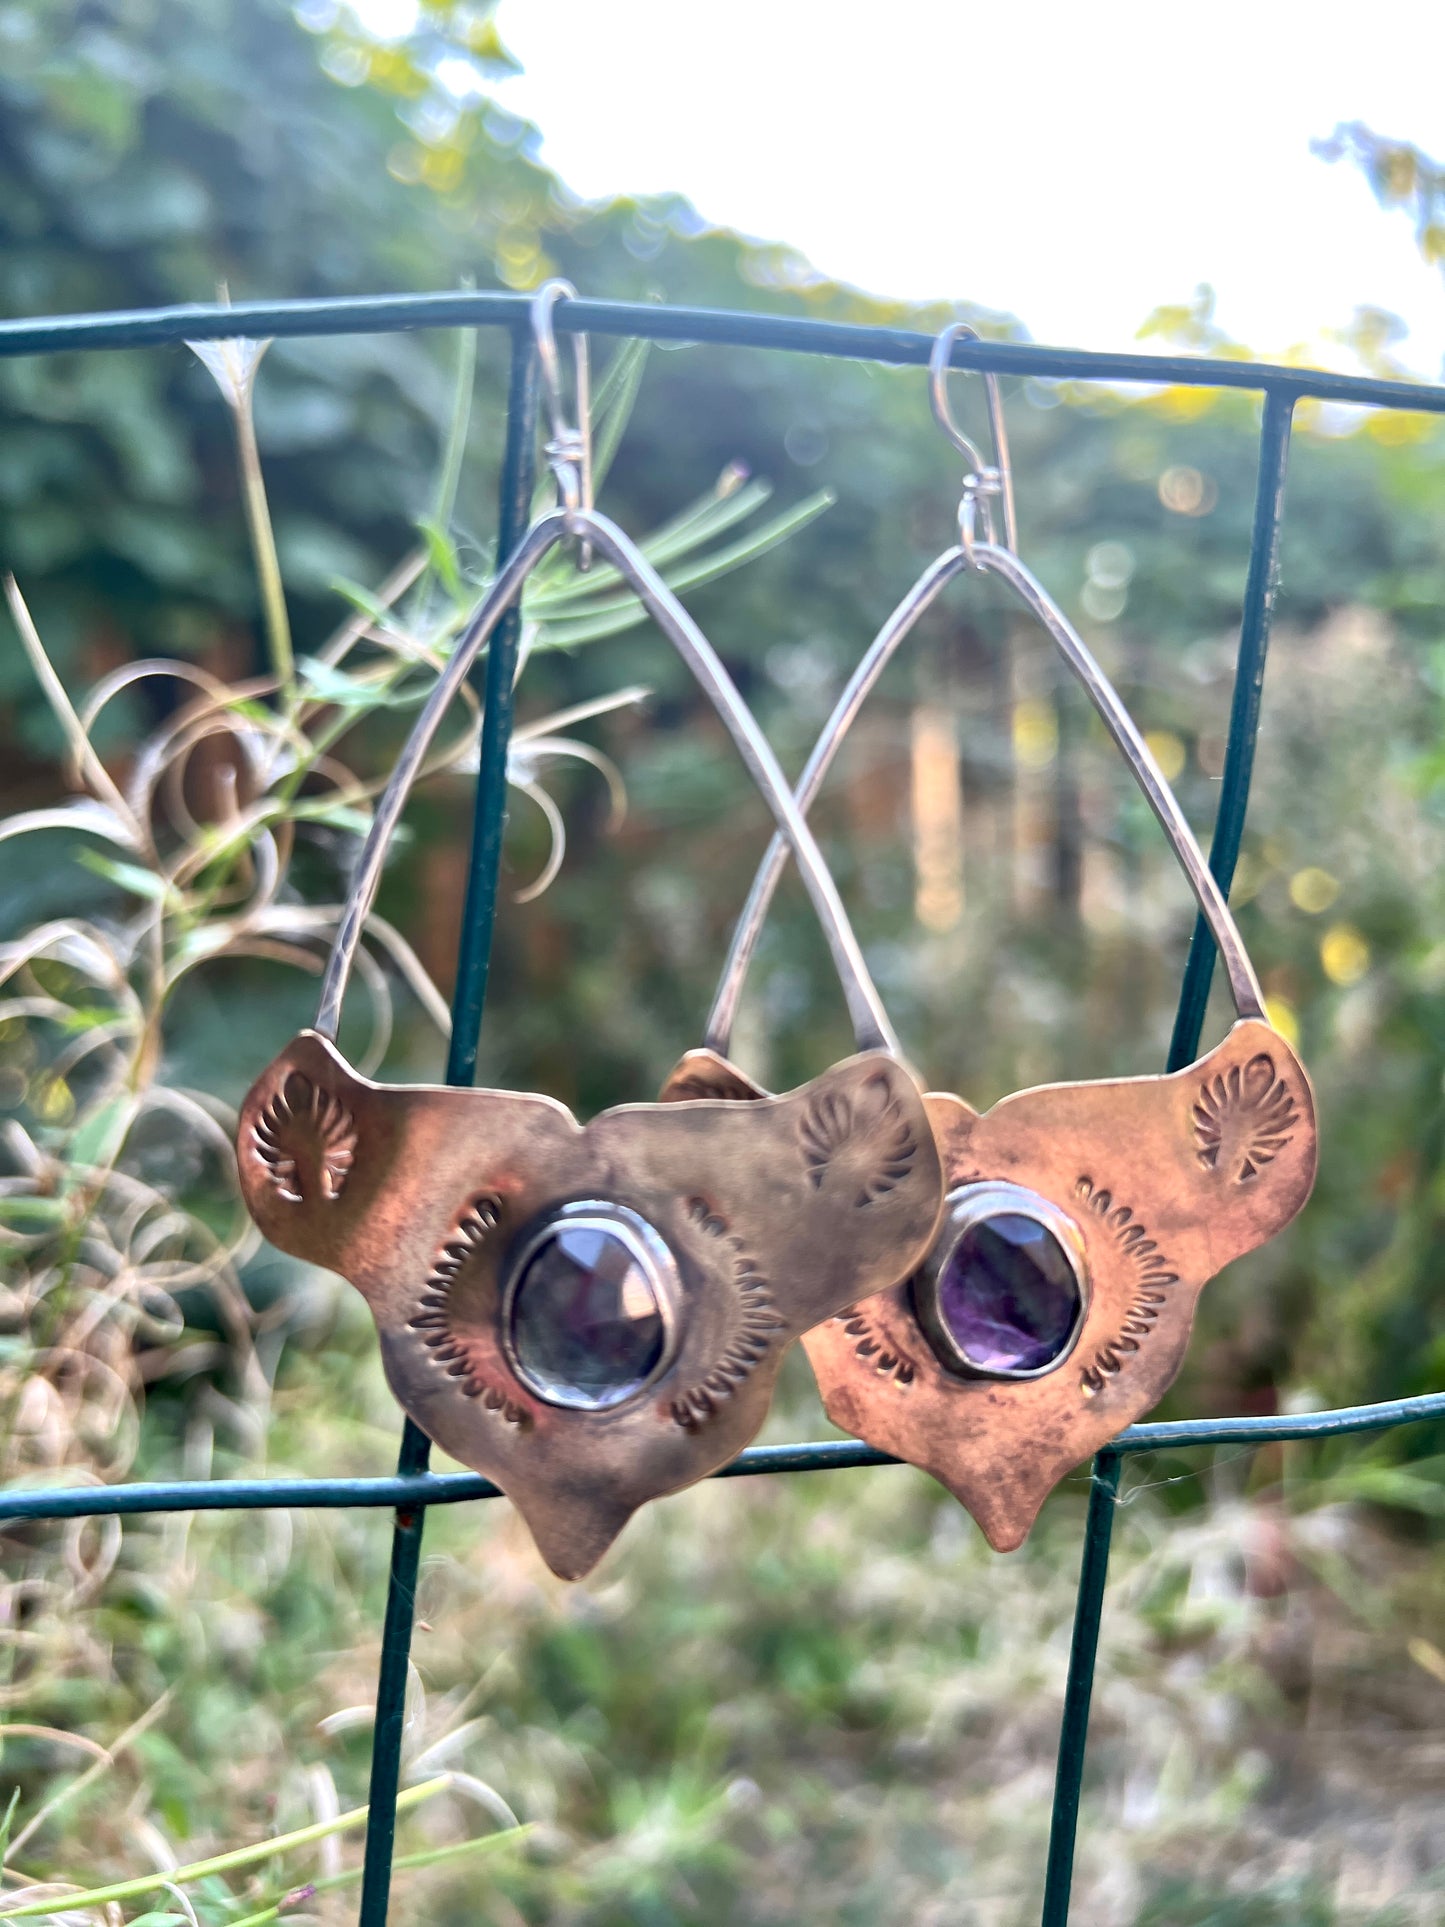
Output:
(1074, 1732)
(474, 956)
(1260, 589)
(1259, 597)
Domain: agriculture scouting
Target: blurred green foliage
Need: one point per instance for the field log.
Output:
(789, 1701)
(1401, 174)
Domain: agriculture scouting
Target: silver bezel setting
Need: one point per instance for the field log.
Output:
(648, 1248)
(971, 1205)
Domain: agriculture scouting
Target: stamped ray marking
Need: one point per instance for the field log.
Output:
(1243, 1118)
(871, 1349)
(433, 1321)
(1153, 1277)
(756, 1323)
(305, 1136)
(873, 1125)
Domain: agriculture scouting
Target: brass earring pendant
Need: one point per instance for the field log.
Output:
(592, 1314)
(1081, 1221)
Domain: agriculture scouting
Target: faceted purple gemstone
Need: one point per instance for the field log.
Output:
(1008, 1294)
(587, 1328)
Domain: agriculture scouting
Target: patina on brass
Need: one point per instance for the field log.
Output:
(1148, 1185)
(738, 1229)
(1165, 1180)
(775, 1216)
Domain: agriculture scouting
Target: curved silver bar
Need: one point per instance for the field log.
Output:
(545, 533)
(875, 659)
(1243, 983)
(871, 1027)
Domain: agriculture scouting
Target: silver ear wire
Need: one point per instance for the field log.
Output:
(984, 481)
(985, 557)
(569, 443)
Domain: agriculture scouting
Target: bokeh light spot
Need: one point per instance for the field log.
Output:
(1344, 954)
(1168, 752)
(1035, 734)
(1313, 890)
(1282, 1015)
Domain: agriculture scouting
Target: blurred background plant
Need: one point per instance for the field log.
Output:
(813, 1700)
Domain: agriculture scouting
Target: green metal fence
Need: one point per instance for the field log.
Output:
(414, 1487)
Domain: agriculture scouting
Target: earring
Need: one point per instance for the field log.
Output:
(1081, 1221)
(592, 1314)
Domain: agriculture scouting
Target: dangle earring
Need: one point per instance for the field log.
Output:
(592, 1314)
(1081, 1221)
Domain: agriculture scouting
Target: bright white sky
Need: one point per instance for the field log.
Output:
(1076, 162)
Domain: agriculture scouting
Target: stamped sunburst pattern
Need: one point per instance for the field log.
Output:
(873, 1351)
(434, 1321)
(867, 1128)
(755, 1326)
(1243, 1118)
(1154, 1274)
(305, 1140)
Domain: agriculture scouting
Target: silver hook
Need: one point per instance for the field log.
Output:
(569, 445)
(985, 481)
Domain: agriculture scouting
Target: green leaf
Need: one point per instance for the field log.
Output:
(129, 877)
(5, 1825)
(330, 685)
(31, 1214)
(83, 1017)
(360, 598)
(99, 1136)
(613, 402)
(261, 1850)
(688, 530)
(251, 711)
(1392, 1485)
(613, 614)
(443, 557)
(338, 815)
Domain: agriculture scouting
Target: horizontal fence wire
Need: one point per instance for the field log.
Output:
(646, 321)
(414, 1488)
(759, 1461)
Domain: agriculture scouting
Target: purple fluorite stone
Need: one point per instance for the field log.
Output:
(1008, 1294)
(587, 1328)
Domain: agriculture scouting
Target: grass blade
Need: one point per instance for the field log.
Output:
(223, 1862)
